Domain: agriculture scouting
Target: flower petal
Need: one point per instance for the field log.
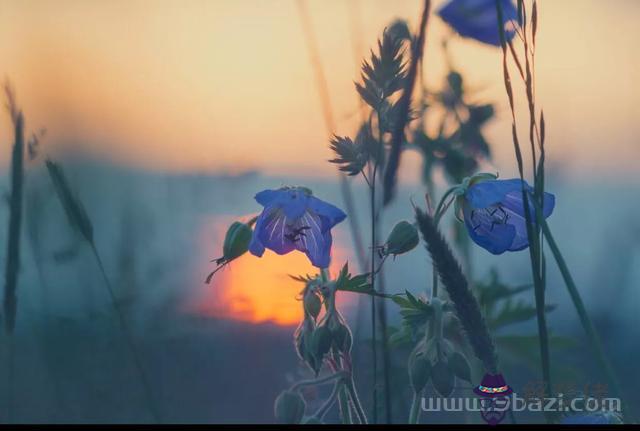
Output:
(478, 19)
(496, 238)
(315, 243)
(273, 231)
(330, 214)
(490, 192)
(269, 197)
(513, 205)
(255, 245)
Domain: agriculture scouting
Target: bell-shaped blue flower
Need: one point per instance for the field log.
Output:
(478, 19)
(494, 214)
(293, 219)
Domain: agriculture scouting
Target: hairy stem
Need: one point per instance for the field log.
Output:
(414, 413)
(129, 339)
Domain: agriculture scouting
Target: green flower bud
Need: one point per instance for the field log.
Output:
(341, 335)
(460, 366)
(303, 339)
(442, 378)
(321, 342)
(419, 370)
(312, 303)
(236, 241)
(289, 407)
(403, 238)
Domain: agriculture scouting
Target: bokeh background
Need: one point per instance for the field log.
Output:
(170, 116)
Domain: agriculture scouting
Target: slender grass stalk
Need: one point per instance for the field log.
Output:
(128, 339)
(532, 231)
(374, 328)
(328, 117)
(15, 220)
(79, 219)
(13, 244)
(585, 320)
(404, 105)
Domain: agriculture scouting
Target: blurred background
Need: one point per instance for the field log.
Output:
(169, 116)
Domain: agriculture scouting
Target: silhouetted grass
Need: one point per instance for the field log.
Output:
(15, 212)
(79, 220)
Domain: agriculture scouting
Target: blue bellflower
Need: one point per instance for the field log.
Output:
(293, 219)
(494, 214)
(478, 19)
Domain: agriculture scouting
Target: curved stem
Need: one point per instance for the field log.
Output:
(326, 406)
(319, 381)
(414, 413)
(356, 400)
(129, 339)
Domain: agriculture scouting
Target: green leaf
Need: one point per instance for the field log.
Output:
(514, 313)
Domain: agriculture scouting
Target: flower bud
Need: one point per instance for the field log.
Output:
(442, 378)
(341, 335)
(460, 366)
(419, 370)
(321, 342)
(312, 303)
(303, 339)
(236, 241)
(289, 407)
(403, 238)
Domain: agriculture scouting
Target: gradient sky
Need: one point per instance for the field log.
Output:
(227, 85)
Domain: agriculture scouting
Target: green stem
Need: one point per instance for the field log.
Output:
(129, 339)
(319, 381)
(414, 413)
(326, 406)
(532, 231)
(585, 320)
(374, 341)
(343, 397)
(350, 385)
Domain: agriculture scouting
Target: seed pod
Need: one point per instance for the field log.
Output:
(303, 338)
(312, 303)
(321, 342)
(341, 336)
(403, 238)
(460, 366)
(236, 241)
(419, 370)
(289, 407)
(442, 378)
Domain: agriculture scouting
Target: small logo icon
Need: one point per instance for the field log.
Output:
(494, 391)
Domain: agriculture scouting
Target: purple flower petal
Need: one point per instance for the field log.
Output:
(478, 19)
(330, 214)
(490, 192)
(483, 229)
